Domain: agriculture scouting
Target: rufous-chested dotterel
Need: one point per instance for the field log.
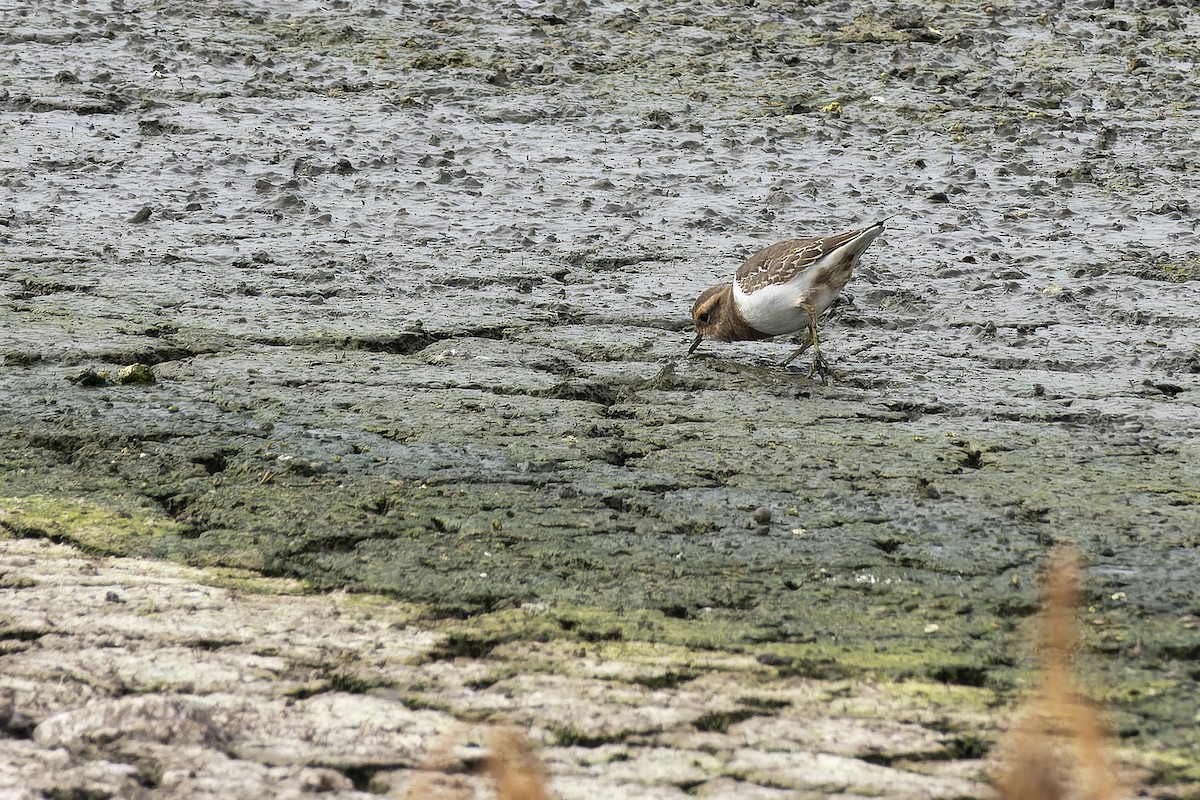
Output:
(782, 289)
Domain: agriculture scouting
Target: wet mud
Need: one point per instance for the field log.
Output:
(410, 288)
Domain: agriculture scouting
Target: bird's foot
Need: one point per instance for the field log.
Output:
(820, 366)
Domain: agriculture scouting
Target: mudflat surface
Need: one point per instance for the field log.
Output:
(413, 283)
(185, 688)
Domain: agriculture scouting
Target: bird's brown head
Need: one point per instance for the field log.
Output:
(712, 315)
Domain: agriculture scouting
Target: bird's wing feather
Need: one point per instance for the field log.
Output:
(782, 262)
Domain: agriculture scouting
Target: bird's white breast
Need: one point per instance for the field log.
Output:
(775, 309)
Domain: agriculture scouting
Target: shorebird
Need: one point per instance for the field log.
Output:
(782, 289)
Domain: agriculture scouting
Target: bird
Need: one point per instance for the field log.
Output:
(782, 289)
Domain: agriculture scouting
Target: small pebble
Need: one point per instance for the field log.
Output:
(762, 515)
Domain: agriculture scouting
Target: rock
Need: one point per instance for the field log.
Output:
(175, 719)
(89, 377)
(136, 373)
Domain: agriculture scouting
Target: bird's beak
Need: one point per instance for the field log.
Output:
(696, 343)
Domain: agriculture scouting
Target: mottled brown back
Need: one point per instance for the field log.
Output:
(782, 262)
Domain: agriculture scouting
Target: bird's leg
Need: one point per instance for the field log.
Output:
(813, 341)
(818, 362)
(798, 352)
(819, 365)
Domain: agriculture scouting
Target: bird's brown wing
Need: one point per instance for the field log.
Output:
(782, 262)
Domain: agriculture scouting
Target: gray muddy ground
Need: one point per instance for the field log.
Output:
(413, 282)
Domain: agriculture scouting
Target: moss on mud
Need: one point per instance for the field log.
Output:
(119, 528)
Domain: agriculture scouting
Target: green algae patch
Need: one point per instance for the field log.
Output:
(478, 636)
(653, 639)
(96, 529)
(931, 699)
(373, 606)
(641, 637)
(1172, 766)
(250, 582)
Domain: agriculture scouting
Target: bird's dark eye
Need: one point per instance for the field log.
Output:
(703, 318)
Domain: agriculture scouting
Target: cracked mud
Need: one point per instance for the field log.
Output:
(409, 288)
